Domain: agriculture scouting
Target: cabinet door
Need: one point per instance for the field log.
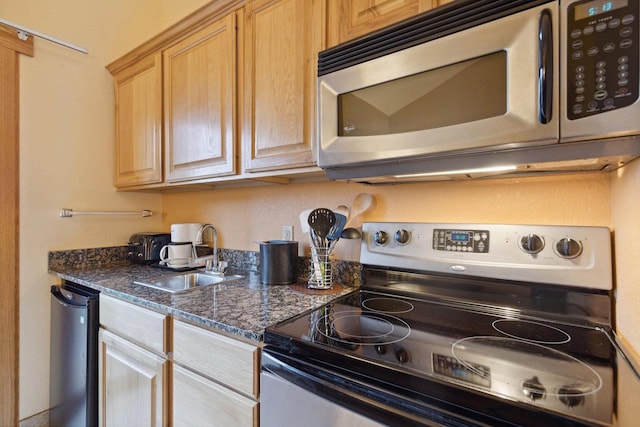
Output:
(133, 387)
(350, 19)
(200, 96)
(198, 401)
(138, 96)
(282, 39)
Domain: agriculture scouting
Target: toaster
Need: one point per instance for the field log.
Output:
(145, 247)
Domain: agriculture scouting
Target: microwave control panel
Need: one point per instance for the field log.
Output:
(602, 56)
(473, 241)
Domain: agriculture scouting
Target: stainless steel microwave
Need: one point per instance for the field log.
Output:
(477, 88)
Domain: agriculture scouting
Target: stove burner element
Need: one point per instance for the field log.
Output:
(387, 305)
(531, 331)
(374, 329)
(561, 374)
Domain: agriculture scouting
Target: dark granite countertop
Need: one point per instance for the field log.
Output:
(242, 307)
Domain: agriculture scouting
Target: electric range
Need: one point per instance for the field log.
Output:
(470, 324)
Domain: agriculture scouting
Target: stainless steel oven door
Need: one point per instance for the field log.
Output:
(468, 91)
(283, 402)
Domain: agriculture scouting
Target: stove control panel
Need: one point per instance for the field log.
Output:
(451, 367)
(563, 255)
(476, 241)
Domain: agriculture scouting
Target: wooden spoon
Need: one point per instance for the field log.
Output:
(361, 203)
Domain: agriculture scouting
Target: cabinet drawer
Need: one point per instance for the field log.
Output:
(198, 401)
(221, 358)
(138, 324)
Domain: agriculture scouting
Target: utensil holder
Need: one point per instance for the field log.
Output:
(320, 275)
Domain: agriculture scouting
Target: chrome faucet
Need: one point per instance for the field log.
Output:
(215, 266)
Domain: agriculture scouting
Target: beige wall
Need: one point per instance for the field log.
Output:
(246, 216)
(67, 161)
(625, 224)
(67, 151)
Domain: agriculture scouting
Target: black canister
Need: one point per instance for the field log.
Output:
(278, 262)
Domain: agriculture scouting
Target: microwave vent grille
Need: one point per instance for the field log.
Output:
(433, 24)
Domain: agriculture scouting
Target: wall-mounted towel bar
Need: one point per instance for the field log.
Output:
(24, 32)
(68, 213)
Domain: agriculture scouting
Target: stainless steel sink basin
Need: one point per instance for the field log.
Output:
(184, 281)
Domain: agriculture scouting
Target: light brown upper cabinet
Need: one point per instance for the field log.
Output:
(200, 103)
(282, 41)
(350, 19)
(138, 96)
(229, 92)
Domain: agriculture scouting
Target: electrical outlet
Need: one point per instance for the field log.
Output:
(287, 232)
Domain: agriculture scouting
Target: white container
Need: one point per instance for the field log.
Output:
(186, 232)
(177, 254)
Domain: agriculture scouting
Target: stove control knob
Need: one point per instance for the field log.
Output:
(402, 355)
(533, 389)
(380, 237)
(571, 396)
(402, 237)
(568, 248)
(531, 243)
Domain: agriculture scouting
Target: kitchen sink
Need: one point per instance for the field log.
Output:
(184, 281)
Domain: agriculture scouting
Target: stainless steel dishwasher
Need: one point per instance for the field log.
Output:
(73, 392)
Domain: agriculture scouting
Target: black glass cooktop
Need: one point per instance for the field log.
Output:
(499, 352)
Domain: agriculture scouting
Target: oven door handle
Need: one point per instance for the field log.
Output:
(350, 393)
(325, 387)
(287, 370)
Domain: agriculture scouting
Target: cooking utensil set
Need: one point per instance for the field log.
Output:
(325, 228)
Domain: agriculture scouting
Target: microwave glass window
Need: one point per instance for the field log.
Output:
(475, 89)
(593, 8)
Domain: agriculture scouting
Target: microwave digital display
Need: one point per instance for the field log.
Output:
(594, 8)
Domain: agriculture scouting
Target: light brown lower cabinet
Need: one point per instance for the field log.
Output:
(198, 401)
(133, 384)
(211, 381)
(215, 379)
(134, 367)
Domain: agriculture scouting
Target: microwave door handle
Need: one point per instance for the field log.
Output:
(545, 68)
